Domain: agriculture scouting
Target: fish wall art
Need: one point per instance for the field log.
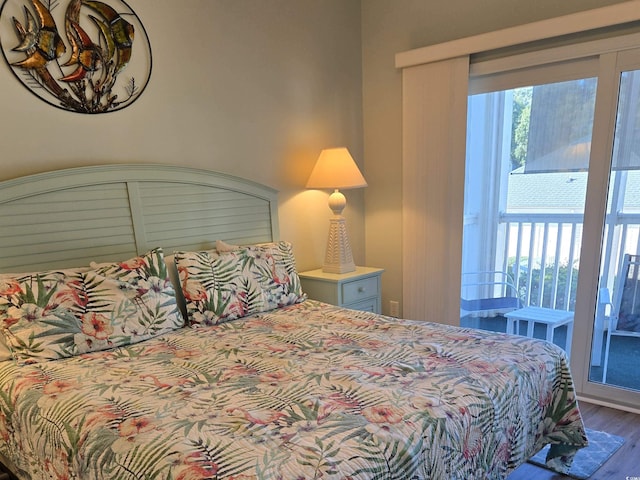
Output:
(84, 56)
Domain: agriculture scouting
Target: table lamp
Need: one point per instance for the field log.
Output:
(336, 169)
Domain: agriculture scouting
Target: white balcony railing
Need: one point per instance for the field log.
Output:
(542, 252)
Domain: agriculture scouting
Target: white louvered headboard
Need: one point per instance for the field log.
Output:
(68, 218)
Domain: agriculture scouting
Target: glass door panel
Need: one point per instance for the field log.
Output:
(616, 332)
(525, 188)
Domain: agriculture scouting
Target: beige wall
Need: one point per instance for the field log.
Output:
(389, 27)
(257, 88)
(254, 88)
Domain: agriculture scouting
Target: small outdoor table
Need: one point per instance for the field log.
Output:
(550, 317)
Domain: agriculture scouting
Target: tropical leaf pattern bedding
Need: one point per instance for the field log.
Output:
(308, 391)
(63, 313)
(222, 286)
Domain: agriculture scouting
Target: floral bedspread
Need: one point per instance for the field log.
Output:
(304, 392)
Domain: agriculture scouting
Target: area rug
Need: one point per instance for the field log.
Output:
(589, 459)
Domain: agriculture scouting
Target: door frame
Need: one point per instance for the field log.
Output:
(611, 67)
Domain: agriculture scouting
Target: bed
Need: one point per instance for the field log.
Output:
(153, 326)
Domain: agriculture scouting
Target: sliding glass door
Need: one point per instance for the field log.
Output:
(616, 333)
(526, 182)
(552, 205)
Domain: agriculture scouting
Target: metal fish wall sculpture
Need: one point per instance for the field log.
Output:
(98, 69)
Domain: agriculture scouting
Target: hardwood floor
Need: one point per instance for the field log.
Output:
(623, 465)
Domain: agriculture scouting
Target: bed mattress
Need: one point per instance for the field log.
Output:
(306, 391)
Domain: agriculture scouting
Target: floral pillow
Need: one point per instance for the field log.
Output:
(56, 314)
(5, 353)
(221, 286)
(10, 288)
(173, 277)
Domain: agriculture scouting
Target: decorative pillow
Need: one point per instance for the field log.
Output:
(224, 286)
(173, 276)
(10, 286)
(58, 314)
(5, 353)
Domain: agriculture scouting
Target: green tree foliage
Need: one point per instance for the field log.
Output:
(547, 294)
(521, 115)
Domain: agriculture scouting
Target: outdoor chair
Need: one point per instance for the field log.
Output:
(625, 314)
(487, 294)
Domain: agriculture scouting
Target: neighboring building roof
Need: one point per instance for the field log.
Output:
(560, 192)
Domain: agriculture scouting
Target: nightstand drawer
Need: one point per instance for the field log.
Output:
(358, 290)
(368, 305)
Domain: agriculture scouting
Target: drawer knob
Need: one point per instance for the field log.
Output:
(361, 289)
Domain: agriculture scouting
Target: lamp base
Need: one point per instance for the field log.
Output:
(338, 257)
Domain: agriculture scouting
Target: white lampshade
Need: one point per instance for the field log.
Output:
(336, 169)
